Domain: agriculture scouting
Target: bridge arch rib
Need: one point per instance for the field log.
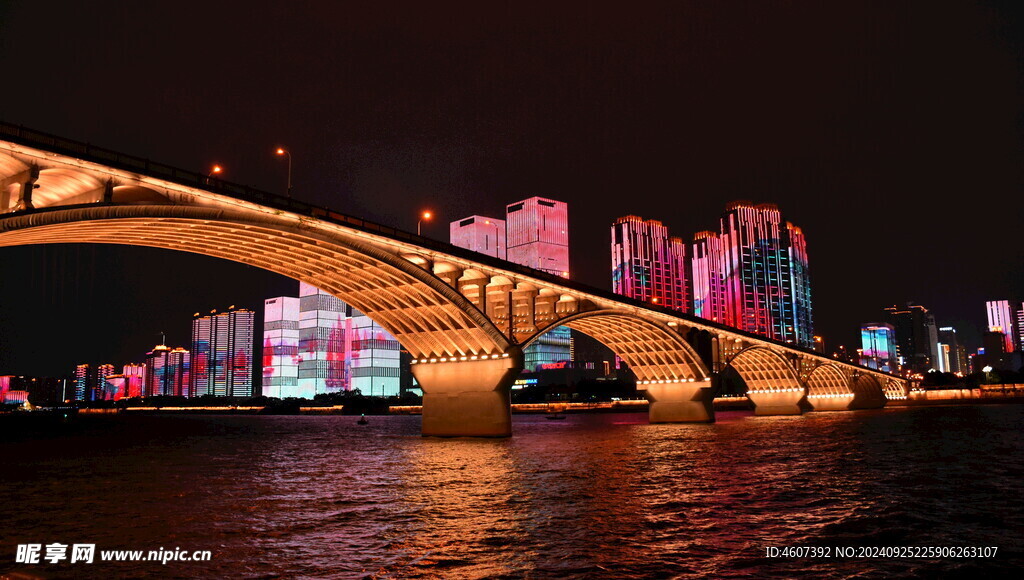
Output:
(868, 392)
(428, 317)
(667, 368)
(772, 383)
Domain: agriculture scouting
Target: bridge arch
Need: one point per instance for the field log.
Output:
(668, 370)
(828, 388)
(868, 392)
(428, 317)
(772, 383)
(653, 350)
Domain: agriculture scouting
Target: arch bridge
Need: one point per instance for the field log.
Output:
(463, 317)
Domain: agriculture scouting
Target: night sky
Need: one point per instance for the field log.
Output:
(891, 132)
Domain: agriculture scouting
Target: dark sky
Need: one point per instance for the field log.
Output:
(891, 132)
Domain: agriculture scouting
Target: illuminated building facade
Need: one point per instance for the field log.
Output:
(707, 273)
(479, 234)
(135, 379)
(336, 348)
(878, 346)
(5, 385)
(648, 264)
(537, 230)
(917, 337)
(222, 354)
(1002, 318)
(168, 372)
(114, 387)
(280, 355)
(324, 351)
(754, 275)
(83, 376)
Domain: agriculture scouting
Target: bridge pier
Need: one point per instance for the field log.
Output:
(679, 402)
(777, 401)
(468, 398)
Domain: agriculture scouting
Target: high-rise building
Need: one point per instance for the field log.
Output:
(336, 348)
(537, 230)
(102, 372)
(281, 347)
(707, 276)
(480, 234)
(878, 346)
(648, 264)
(1020, 326)
(916, 336)
(222, 354)
(754, 275)
(84, 376)
(957, 354)
(168, 372)
(325, 340)
(135, 379)
(1002, 318)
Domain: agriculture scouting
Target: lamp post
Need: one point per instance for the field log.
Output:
(286, 153)
(215, 170)
(425, 216)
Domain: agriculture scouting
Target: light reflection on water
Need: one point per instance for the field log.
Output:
(591, 496)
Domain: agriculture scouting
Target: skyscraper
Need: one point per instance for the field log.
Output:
(878, 346)
(480, 234)
(648, 264)
(280, 347)
(168, 372)
(754, 275)
(957, 354)
(1002, 318)
(538, 235)
(84, 375)
(916, 336)
(222, 354)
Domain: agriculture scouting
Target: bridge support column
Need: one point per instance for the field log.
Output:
(777, 401)
(468, 398)
(680, 402)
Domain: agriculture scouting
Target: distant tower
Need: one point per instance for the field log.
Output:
(957, 354)
(479, 234)
(85, 375)
(707, 271)
(135, 379)
(1002, 318)
(222, 354)
(324, 343)
(648, 264)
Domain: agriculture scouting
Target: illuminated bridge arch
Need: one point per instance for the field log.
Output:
(654, 351)
(828, 388)
(895, 390)
(427, 316)
(772, 383)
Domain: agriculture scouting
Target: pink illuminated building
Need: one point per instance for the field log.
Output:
(648, 264)
(708, 278)
(221, 355)
(480, 234)
(1002, 318)
(167, 372)
(135, 379)
(537, 230)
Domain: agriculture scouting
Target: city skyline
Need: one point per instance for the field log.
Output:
(859, 170)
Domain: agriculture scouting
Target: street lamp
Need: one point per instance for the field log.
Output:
(425, 216)
(282, 151)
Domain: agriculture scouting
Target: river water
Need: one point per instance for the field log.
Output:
(594, 496)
